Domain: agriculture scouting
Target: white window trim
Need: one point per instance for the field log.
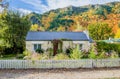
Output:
(37, 42)
(78, 42)
(33, 47)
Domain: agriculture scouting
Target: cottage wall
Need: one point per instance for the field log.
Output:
(66, 44)
(44, 45)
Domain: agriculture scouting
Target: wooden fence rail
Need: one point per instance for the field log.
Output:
(83, 63)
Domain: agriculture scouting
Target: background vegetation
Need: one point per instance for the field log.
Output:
(104, 20)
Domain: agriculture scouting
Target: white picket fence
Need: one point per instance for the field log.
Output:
(83, 63)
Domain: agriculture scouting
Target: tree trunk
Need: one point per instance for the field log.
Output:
(55, 47)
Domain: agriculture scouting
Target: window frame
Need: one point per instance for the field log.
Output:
(80, 46)
(38, 46)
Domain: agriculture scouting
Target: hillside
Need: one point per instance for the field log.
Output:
(73, 18)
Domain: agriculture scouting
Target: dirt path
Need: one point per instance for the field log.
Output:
(113, 73)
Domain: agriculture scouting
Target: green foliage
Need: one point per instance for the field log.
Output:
(39, 51)
(50, 51)
(6, 57)
(108, 47)
(102, 55)
(18, 26)
(100, 31)
(20, 56)
(76, 53)
(103, 10)
(114, 55)
(60, 22)
(116, 9)
(3, 34)
(27, 53)
(35, 18)
(92, 54)
(61, 56)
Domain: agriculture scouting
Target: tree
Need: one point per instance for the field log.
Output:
(18, 26)
(3, 34)
(117, 35)
(100, 31)
(116, 9)
(34, 27)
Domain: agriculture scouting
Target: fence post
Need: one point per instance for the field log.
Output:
(92, 63)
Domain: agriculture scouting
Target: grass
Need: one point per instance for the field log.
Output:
(11, 56)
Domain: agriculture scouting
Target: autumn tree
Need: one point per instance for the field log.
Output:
(117, 35)
(100, 31)
(34, 27)
(116, 9)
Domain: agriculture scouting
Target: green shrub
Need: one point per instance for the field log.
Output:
(102, 55)
(114, 55)
(27, 53)
(39, 51)
(85, 54)
(76, 53)
(108, 47)
(59, 51)
(50, 51)
(61, 56)
(92, 54)
(20, 56)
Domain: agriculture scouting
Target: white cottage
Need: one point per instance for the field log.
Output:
(43, 40)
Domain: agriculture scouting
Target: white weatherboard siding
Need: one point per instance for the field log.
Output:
(66, 44)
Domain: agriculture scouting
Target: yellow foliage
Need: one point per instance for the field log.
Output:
(34, 27)
(117, 34)
(61, 28)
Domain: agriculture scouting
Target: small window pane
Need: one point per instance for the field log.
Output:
(35, 46)
(80, 46)
(39, 46)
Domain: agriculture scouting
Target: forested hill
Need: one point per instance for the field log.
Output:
(73, 18)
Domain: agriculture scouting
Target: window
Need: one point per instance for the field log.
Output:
(37, 46)
(80, 46)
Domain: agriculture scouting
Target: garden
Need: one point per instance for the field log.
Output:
(99, 50)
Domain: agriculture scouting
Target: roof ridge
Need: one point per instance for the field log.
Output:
(48, 35)
(57, 31)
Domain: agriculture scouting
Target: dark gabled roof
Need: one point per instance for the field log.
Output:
(45, 36)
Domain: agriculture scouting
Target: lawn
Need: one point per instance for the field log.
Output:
(11, 56)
